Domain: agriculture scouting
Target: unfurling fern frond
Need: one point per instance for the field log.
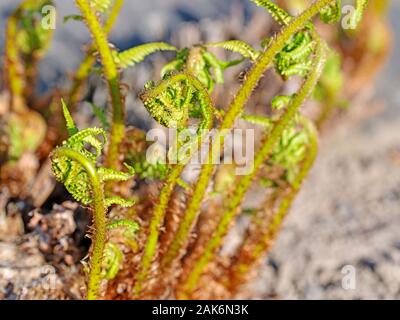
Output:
(177, 64)
(332, 13)
(294, 58)
(101, 6)
(280, 102)
(74, 175)
(290, 151)
(113, 257)
(204, 65)
(237, 46)
(137, 54)
(280, 15)
(175, 99)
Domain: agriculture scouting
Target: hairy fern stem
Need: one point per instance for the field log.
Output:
(15, 78)
(167, 190)
(235, 110)
(112, 76)
(240, 268)
(231, 206)
(87, 63)
(99, 217)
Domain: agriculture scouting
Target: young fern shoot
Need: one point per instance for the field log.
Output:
(257, 244)
(170, 103)
(234, 111)
(75, 166)
(111, 62)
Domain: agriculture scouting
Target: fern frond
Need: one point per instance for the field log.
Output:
(73, 174)
(215, 65)
(96, 143)
(101, 6)
(237, 46)
(133, 226)
(175, 99)
(332, 13)
(258, 120)
(109, 201)
(294, 58)
(279, 15)
(72, 129)
(280, 102)
(137, 54)
(108, 174)
(101, 115)
(113, 257)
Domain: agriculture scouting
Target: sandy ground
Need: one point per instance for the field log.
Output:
(348, 214)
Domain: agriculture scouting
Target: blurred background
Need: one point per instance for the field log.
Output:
(348, 214)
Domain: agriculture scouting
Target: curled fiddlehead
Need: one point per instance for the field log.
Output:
(294, 58)
(292, 145)
(332, 13)
(113, 258)
(72, 174)
(113, 255)
(175, 99)
(31, 40)
(204, 65)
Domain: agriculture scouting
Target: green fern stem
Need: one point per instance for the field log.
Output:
(154, 228)
(16, 81)
(172, 180)
(235, 110)
(241, 268)
(361, 6)
(112, 76)
(87, 63)
(232, 204)
(99, 216)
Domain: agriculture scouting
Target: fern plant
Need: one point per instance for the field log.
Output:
(174, 261)
(25, 44)
(289, 143)
(297, 50)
